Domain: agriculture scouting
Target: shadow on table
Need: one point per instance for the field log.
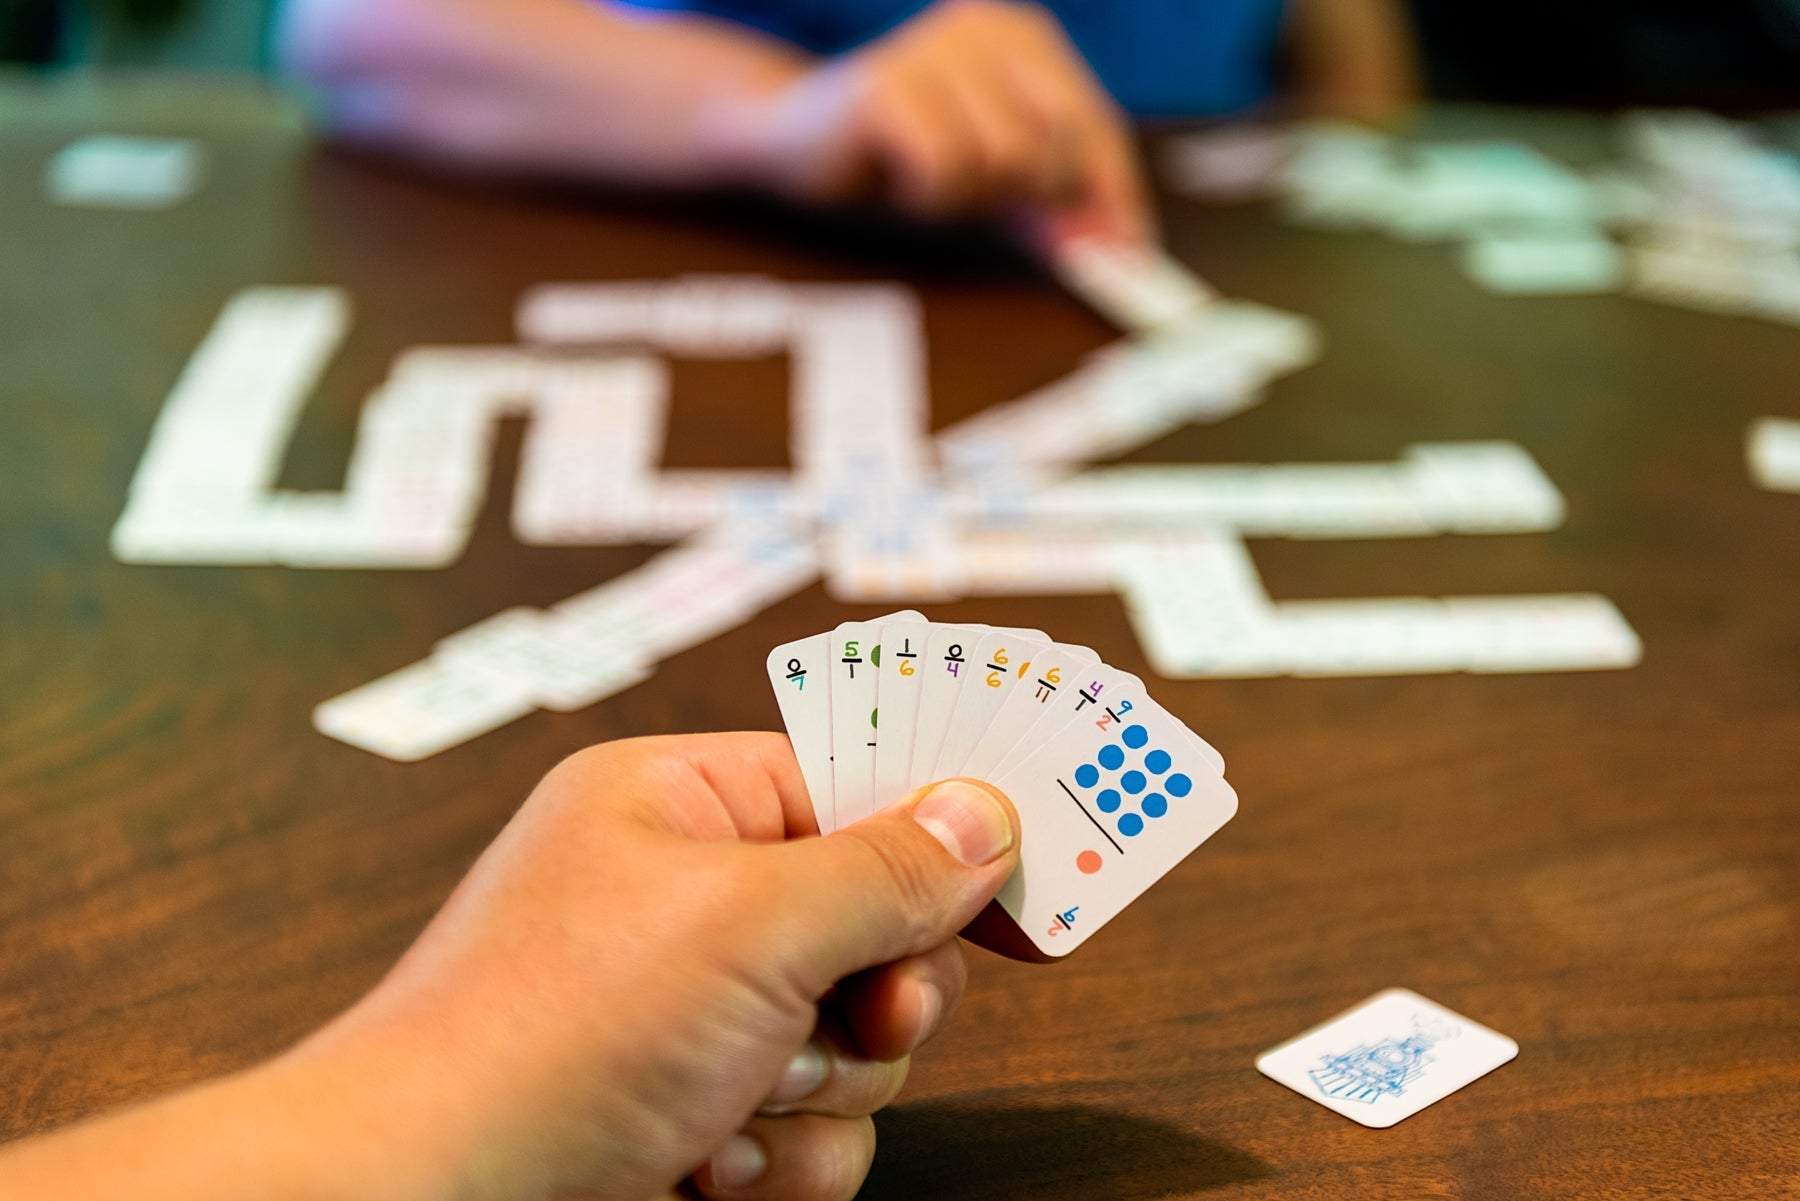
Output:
(1047, 1153)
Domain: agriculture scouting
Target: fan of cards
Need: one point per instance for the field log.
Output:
(1112, 790)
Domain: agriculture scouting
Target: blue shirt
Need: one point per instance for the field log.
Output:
(1159, 58)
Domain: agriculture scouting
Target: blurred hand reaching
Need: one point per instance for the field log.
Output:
(973, 107)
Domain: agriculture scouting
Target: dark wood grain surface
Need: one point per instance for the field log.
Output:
(1604, 866)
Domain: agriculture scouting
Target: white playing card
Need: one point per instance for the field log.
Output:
(1108, 806)
(800, 673)
(1089, 688)
(1097, 688)
(1388, 1058)
(1029, 700)
(852, 666)
(1112, 791)
(947, 669)
(998, 663)
(855, 657)
(899, 681)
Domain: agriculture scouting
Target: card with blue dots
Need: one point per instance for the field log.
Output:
(1113, 791)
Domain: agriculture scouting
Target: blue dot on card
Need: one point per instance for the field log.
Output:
(1131, 825)
(1135, 736)
(1154, 805)
(1109, 800)
(1111, 757)
(1158, 762)
(1178, 785)
(1087, 775)
(1133, 782)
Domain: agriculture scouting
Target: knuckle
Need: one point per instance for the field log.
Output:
(608, 760)
(588, 759)
(573, 779)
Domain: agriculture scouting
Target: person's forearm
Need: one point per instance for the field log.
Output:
(1353, 58)
(556, 85)
(622, 998)
(310, 1126)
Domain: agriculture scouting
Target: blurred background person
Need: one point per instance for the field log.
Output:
(948, 109)
(1734, 54)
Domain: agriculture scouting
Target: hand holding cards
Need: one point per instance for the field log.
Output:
(1112, 790)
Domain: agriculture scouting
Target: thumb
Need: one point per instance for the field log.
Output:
(895, 884)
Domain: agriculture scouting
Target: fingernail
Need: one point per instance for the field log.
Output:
(805, 1072)
(931, 1008)
(967, 820)
(739, 1162)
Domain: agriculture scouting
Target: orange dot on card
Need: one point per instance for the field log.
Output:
(1088, 862)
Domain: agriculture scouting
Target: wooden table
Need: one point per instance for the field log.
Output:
(1603, 866)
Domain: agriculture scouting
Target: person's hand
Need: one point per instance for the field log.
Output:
(653, 974)
(974, 106)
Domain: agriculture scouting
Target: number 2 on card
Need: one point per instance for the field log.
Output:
(1111, 717)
